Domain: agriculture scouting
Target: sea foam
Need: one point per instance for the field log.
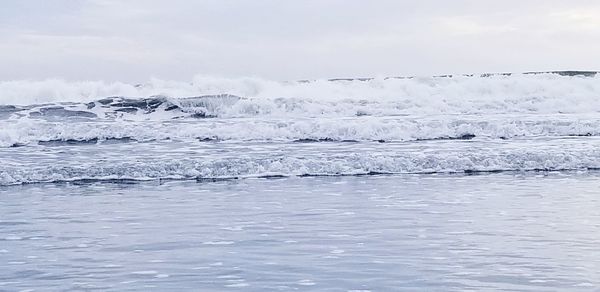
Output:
(541, 93)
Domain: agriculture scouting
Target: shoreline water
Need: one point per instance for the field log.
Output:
(453, 184)
(497, 231)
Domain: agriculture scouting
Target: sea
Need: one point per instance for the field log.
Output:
(450, 183)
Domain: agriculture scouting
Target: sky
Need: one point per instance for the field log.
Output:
(135, 40)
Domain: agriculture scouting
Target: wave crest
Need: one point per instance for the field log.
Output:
(354, 164)
(541, 93)
(31, 132)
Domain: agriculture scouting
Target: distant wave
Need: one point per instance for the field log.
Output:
(331, 165)
(246, 97)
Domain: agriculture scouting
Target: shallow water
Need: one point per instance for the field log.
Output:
(255, 185)
(509, 232)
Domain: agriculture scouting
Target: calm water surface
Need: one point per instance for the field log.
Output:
(508, 232)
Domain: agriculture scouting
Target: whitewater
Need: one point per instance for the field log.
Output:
(216, 128)
(450, 183)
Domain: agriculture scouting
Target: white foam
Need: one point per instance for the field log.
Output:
(25, 131)
(541, 93)
(398, 162)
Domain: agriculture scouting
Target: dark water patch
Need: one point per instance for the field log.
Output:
(132, 105)
(171, 107)
(91, 141)
(7, 110)
(88, 181)
(147, 104)
(369, 173)
(197, 107)
(91, 181)
(201, 116)
(475, 171)
(58, 111)
(273, 176)
(105, 101)
(63, 142)
(310, 140)
(461, 137)
(208, 139)
(568, 73)
(215, 179)
(129, 110)
(583, 135)
(542, 170)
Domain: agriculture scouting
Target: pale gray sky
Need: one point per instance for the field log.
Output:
(134, 40)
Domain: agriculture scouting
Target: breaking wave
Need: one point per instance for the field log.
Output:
(248, 97)
(330, 165)
(32, 132)
(212, 128)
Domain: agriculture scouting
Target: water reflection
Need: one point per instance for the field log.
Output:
(431, 232)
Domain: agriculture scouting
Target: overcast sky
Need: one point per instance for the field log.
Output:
(134, 40)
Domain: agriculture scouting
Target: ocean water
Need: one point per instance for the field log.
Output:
(443, 183)
(503, 232)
